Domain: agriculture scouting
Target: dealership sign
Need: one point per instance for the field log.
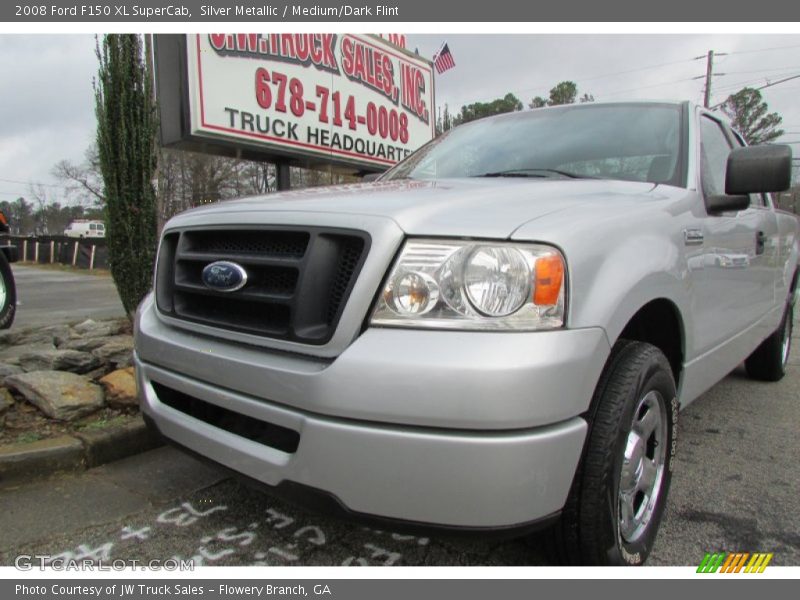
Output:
(351, 100)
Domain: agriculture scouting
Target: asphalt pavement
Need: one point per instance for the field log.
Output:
(47, 296)
(735, 488)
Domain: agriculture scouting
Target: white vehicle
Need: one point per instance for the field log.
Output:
(84, 228)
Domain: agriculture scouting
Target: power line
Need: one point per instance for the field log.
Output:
(656, 66)
(779, 81)
(739, 84)
(602, 76)
(647, 87)
(763, 87)
(674, 62)
(763, 70)
(764, 49)
(33, 183)
(787, 89)
(745, 83)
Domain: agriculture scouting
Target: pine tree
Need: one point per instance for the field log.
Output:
(749, 116)
(126, 143)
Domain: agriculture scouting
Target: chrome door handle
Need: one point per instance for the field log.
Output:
(693, 237)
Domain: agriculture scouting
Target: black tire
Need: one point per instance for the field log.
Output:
(768, 361)
(8, 294)
(590, 531)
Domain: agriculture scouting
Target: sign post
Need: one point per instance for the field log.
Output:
(283, 179)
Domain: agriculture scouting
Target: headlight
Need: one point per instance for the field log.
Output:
(474, 285)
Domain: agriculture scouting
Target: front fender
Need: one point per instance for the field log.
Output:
(640, 271)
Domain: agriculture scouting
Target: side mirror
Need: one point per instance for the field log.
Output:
(370, 177)
(724, 203)
(759, 169)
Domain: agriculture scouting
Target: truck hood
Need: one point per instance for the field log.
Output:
(474, 207)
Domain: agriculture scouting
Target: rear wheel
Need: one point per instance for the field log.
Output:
(8, 294)
(619, 492)
(768, 361)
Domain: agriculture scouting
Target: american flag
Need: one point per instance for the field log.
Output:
(443, 59)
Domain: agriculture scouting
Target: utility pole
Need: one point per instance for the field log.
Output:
(709, 74)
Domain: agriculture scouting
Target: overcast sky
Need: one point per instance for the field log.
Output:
(47, 113)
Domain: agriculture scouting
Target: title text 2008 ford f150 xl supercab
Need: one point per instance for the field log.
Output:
(497, 334)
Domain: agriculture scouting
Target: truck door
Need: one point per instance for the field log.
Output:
(739, 249)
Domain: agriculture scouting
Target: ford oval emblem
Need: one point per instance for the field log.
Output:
(224, 276)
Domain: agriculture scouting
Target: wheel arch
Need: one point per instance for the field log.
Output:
(659, 323)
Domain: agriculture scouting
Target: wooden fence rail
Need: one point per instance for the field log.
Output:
(81, 253)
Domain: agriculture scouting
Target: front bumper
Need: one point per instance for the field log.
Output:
(463, 431)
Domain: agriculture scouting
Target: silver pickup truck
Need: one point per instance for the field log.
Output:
(497, 335)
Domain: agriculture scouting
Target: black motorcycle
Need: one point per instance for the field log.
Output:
(8, 290)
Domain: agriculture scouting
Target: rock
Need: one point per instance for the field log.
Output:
(84, 344)
(11, 355)
(120, 387)
(59, 395)
(6, 400)
(9, 338)
(118, 352)
(99, 372)
(6, 370)
(89, 344)
(73, 361)
(54, 334)
(84, 326)
(92, 329)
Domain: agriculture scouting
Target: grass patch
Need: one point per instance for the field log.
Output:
(102, 423)
(28, 437)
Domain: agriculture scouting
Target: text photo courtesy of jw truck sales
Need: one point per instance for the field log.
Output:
(139, 590)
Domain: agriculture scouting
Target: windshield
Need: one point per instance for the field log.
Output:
(634, 142)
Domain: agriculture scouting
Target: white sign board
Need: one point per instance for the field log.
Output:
(349, 99)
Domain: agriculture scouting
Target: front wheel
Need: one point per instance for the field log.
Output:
(8, 294)
(620, 490)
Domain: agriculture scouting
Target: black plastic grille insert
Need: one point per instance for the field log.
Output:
(275, 436)
(298, 279)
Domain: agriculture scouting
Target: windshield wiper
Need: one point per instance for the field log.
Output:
(532, 172)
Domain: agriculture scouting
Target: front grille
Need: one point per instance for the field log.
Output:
(298, 280)
(275, 436)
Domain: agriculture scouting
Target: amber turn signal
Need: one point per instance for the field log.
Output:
(548, 278)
